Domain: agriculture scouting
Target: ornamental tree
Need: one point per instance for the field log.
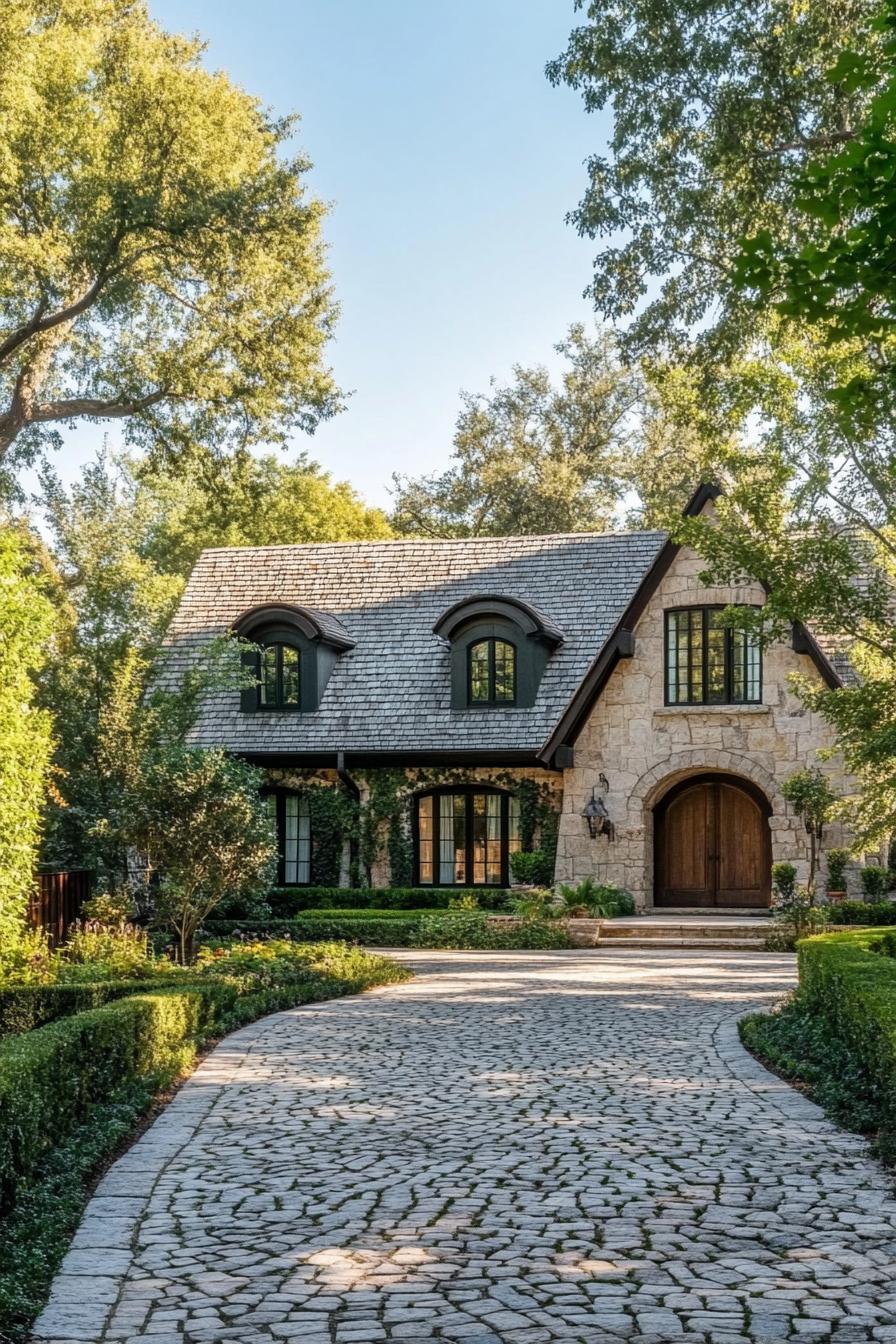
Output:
(204, 827)
(160, 260)
(810, 795)
(122, 541)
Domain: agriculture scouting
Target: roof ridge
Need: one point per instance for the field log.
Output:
(438, 541)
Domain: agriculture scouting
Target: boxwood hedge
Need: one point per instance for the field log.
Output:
(26, 1007)
(287, 901)
(848, 981)
(390, 931)
(864, 912)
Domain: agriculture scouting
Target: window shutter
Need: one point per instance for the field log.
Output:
(249, 694)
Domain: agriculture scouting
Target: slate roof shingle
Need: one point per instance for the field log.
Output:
(392, 691)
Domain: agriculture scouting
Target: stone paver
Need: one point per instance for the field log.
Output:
(511, 1149)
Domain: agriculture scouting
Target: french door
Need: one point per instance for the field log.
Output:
(464, 836)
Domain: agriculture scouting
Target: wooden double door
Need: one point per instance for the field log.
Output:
(712, 845)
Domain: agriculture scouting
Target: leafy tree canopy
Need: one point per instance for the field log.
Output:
(123, 540)
(811, 502)
(715, 108)
(160, 260)
(842, 282)
(247, 501)
(531, 456)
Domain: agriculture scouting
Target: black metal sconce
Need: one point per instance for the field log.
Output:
(596, 814)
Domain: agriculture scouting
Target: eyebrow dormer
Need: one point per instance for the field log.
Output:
(499, 650)
(296, 650)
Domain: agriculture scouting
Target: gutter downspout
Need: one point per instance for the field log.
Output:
(353, 791)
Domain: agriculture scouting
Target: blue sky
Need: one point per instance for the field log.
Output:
(449, 162)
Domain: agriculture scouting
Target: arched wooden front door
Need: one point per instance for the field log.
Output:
(712, 845)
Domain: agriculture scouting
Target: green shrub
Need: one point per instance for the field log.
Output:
(94, 951)
(795, 916)
(875, 882)
(602, 900)
(800, 1044)
(324, 912)
(784, 881)
(50, 1078)
(846, 982)
(861, 912)
(474, 930)
(535, 868)
(389, 932)
(535, 904)
(35, 1236)
(286, 902)
(27, 1007)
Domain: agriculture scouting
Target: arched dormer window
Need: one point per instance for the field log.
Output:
(280, 683)
(492, 668)
(294, 651)
(499, 649)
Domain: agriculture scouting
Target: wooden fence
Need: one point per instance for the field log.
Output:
(57, 901)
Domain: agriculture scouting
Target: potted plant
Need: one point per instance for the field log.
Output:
(592, 900)
(836, 884)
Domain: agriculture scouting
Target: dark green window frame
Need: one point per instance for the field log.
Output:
(431, 859)
(490, 643)
(709, 664)
(287, 656)
(291, 814)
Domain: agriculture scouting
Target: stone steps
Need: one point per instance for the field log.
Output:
(694, 933)
(703, 944)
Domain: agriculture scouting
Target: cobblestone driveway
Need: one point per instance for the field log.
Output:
(527, 1148)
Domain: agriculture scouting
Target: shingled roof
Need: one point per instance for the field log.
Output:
(391, 692)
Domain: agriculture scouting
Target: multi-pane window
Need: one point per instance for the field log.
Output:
(292, 819)
(464, 837)
(280, 679)
(492, 679)
(708, 663)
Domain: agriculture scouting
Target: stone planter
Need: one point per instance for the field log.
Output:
(584, 932)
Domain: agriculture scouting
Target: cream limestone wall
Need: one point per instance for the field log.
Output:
(642, 746)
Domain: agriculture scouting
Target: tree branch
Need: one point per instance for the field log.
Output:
(117, 408)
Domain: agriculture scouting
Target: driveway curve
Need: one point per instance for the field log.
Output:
(509, 1149)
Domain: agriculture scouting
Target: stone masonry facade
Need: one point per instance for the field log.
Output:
(643, 747)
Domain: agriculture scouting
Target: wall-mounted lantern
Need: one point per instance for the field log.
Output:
(598, 818)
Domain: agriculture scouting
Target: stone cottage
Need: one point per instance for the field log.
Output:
(468, 699)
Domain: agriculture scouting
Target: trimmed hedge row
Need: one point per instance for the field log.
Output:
(52, 1077)
(863, 912)
(390, 931)
(850, 981)
(27, 1007)
(285, 901)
